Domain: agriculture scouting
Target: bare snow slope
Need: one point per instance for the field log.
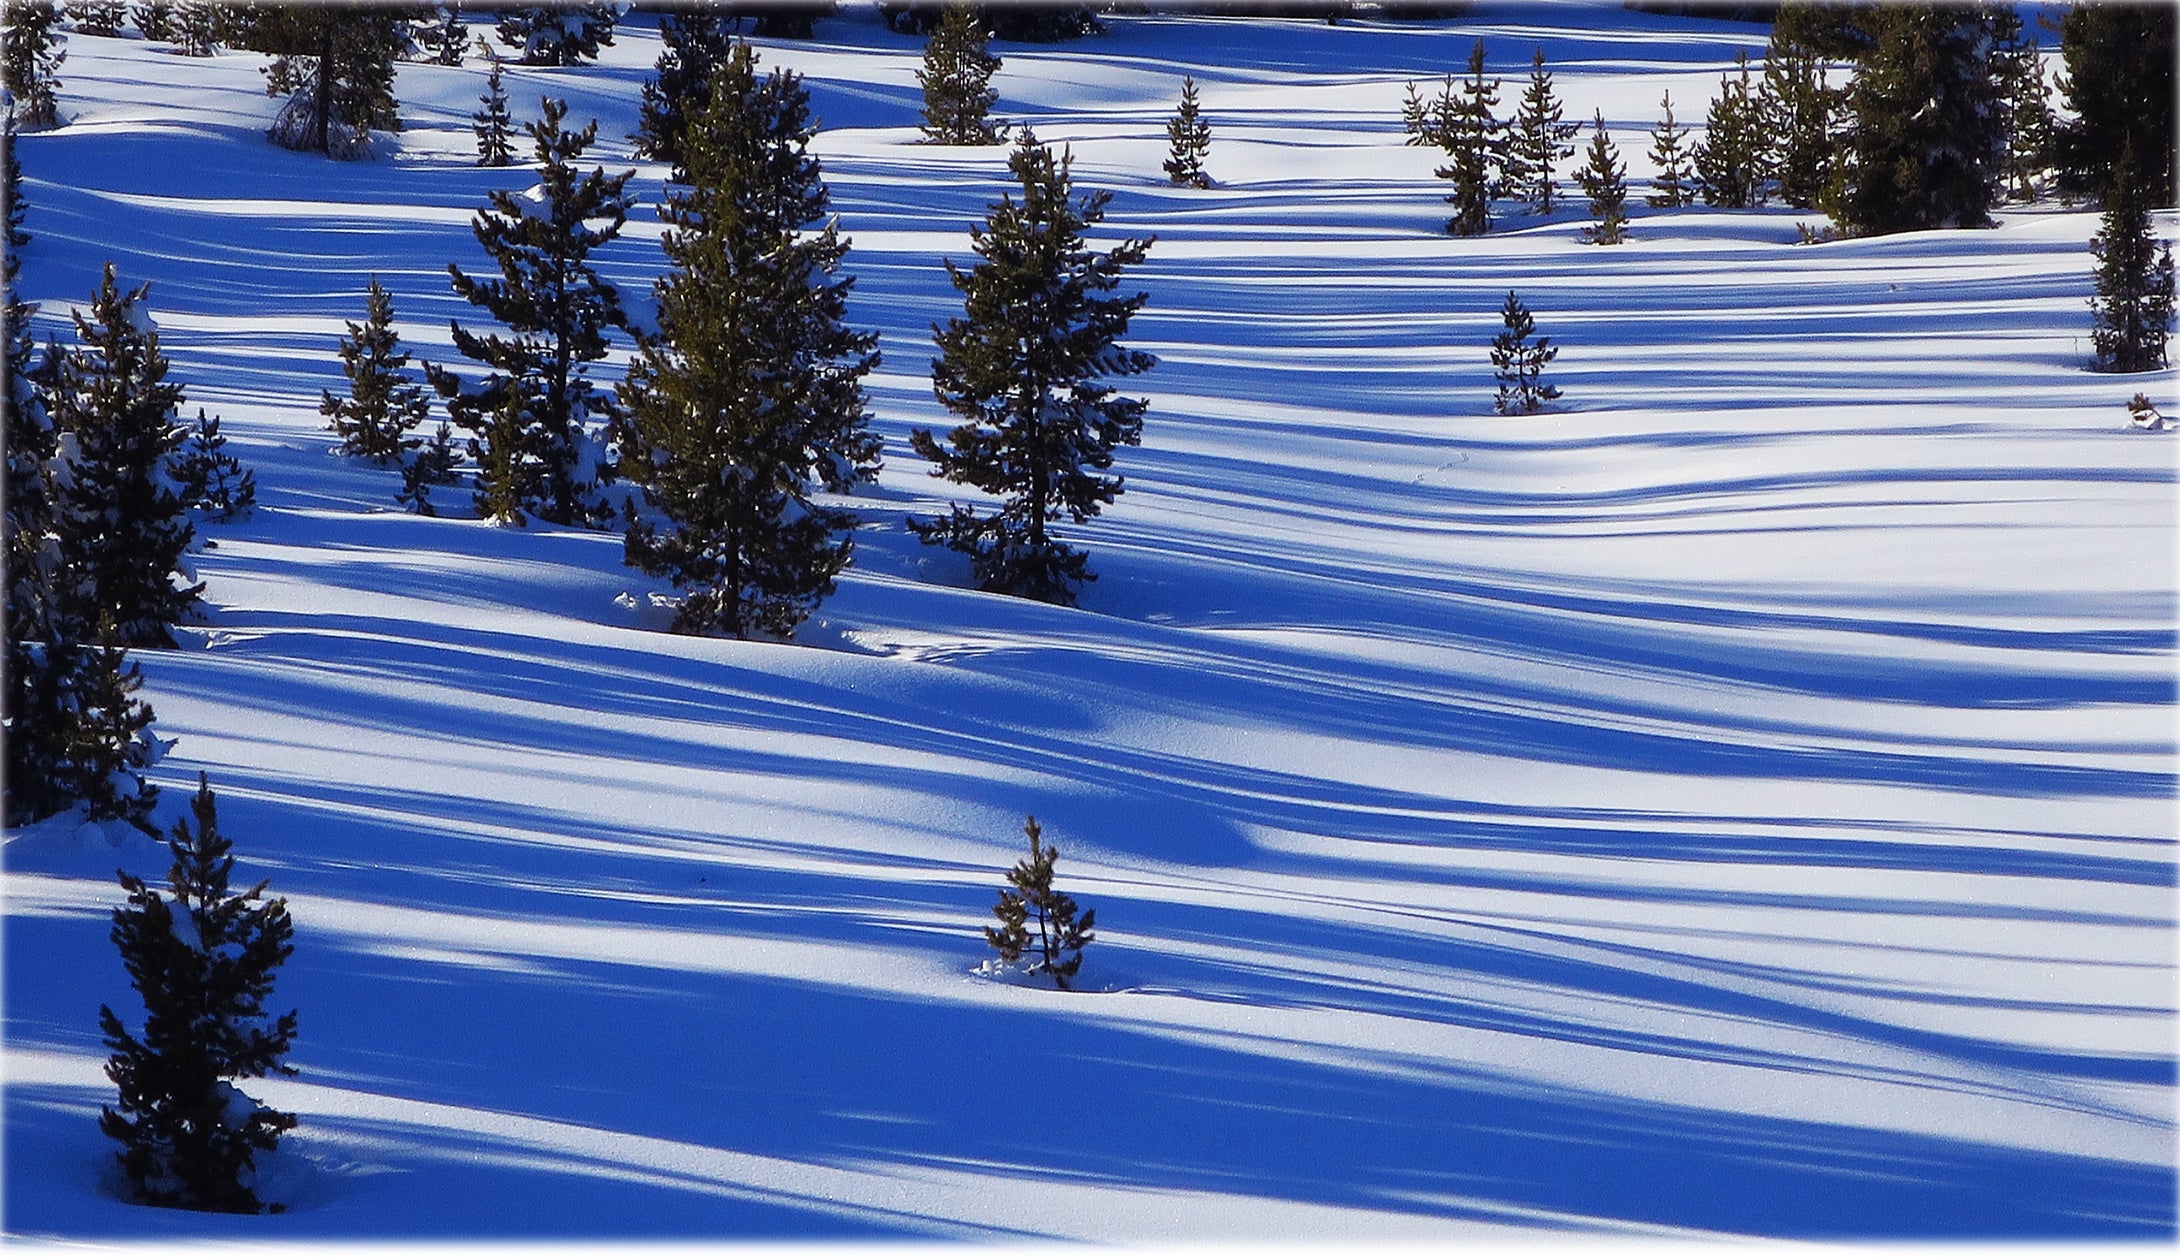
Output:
(1739, 800)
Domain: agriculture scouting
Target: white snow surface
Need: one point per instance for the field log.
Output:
(1736, 801)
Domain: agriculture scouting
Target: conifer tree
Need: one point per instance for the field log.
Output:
(494, 127)
(2119, 83)
(383, 402)
(748, 400)
(203, 959)
(1059, 936)
(698, 40)
(1730, 159)
(430, 467)
(1188, 141)
(956, 77)
(1925, 145)
(32, 555)
(1518, 362)
(440, 35)
(1025, 367)
(122, 525)
(31, 51)
(1604, 182)
(564, 34)
(1428, 123)
(2030, 123)
(1675, 183)
(1535, 141)
(1800, 113)
(530, 419)
(1470, 134)
(194, 27)
(212, 482)
(2133, 308)
(81, 736)
(98, 17)
(335, 66)
(153, 18)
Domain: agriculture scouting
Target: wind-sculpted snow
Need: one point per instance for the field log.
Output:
(1737, 800)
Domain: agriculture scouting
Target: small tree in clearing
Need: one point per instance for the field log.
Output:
(1519, 361)
(2133, 306)
(383, 403)
(494, 126)
(956, 77)
(203, 961)
(1674, 185)
(1059, 936)
(1604, 182)
(1189, 141)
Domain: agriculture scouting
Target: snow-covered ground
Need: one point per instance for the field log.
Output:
(1739, 800)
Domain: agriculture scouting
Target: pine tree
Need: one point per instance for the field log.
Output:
(32, 555)
(98, 17)
(749, 399)
(203, 960)
(1730, 159)
(1925, 146)
(1604, 182)
(122, 526)
(2133, 307)
(154, 18)
(1025, 367)
(1518, 363)
(1188, 141)
(1675, 183)
(1059, 937)
(429, 467)
(383, 402)
(1471, 137)
(1536, 141)
(566, 34)
(194, 27)
(2119, 83)
(1800, 114)
(698, 41)
(530, 419)
(2030, 124)
(440, 34)
(492, 124)
(335, 66)
(212, 483)
(956, 77)
(31, 51)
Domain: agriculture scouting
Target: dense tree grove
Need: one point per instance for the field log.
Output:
(1925, 145)
(2119, 81)
(1801, 115)
(1731, 158)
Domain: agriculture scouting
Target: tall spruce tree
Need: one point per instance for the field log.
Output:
(564, 34)
(1730, 160)
(1800, 113)
(32, 48)
(384, 403)
(2026, 102)
(2133, 308)
(531, 418)
(1604, 182)
(334, 64)
(493, 125)
(697, 41)
(122, 525)
(1535, 141)
(1471, 137)
(203, 958)
(1675, 183)
(1188, 141)
(1025, 367)
(1925, 144)
(956, 78)
(748, 401)
(2119, 83)
(1518, 363)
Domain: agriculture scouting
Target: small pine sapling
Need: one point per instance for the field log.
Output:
(430, 466)
(1518, 362)
(203, 961)
(494, 127)
(1057, 938)
(1674, 184)
(1188, 139)
(213, 482)
(1604, 182)
(383, 402)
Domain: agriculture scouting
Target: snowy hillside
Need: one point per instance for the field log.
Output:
(1738, 800)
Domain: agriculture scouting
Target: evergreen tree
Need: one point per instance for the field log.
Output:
(212, 482)
(698, 41)
(1471, 137)
(83, 738)
(2119, 82)
(1730, 158)
(786, 19)
(1518, 362)
(122, 525)
(1604, 182)
(2133, 305)
(431, 466)
(1188, 141)
(1925, 145)
(1051, 23)
(194, 27)
(956, 77)
(1025, 367)
(383, 402)
(31, 51)
(1800, 113)
(440, 35)
(566, 34)
(1059, 936)
(1536, 141)
(98, 17)
(335, 66)
(203, 960)
(32, 554)
(530, 419)
(749, 398)
(494, 127)
(1675, 183)
(2030, 124)
(1428, 123)
(154, 18)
